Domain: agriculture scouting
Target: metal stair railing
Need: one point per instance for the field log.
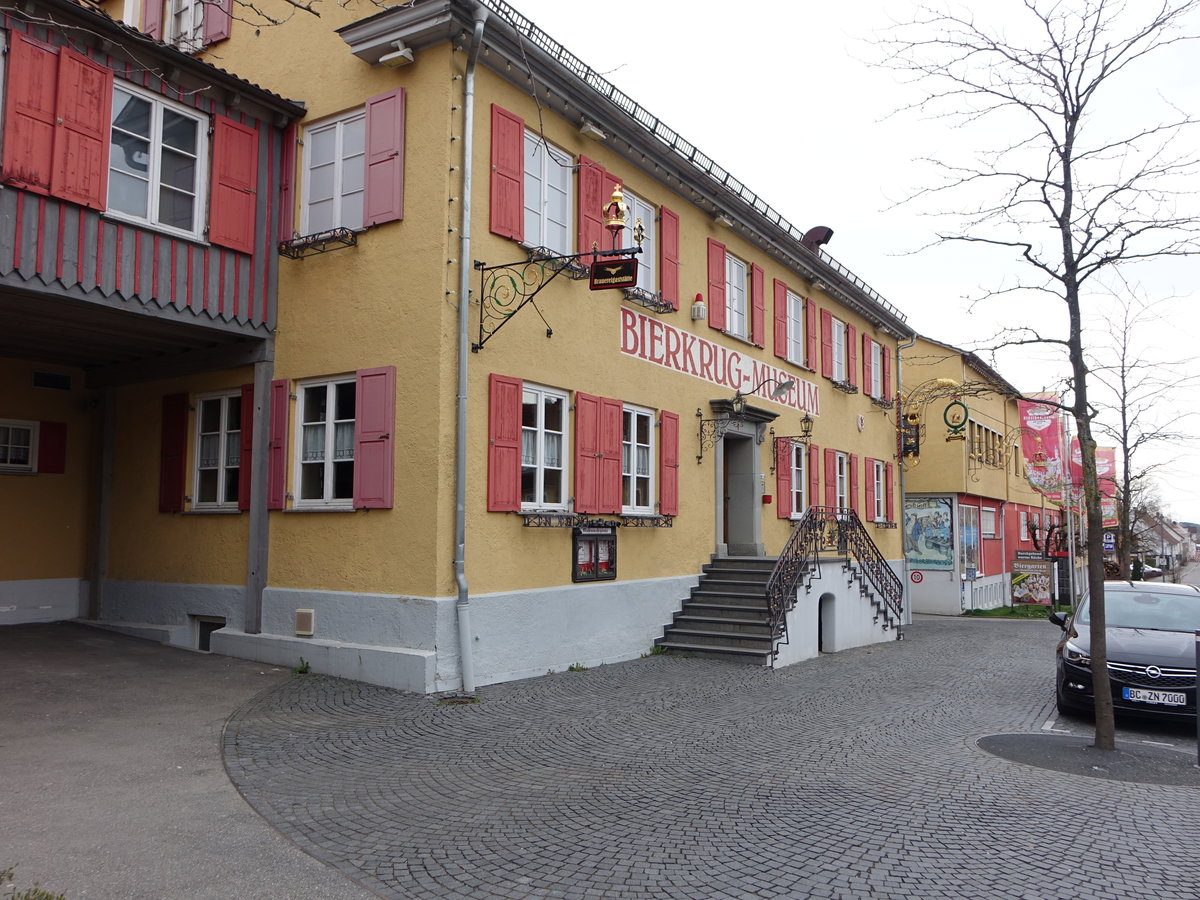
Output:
(829, 529)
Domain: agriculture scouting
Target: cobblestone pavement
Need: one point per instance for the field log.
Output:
(855, 775)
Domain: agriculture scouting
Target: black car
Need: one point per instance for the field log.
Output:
(1151, 650)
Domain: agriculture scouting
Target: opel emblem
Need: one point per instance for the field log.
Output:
(1153, 671)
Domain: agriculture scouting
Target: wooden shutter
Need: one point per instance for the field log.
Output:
(507, 200)
(587, 453)
(826, 344)
(668, 471)
(814, 475)
(277, 444)
(852, 465)
(891, 494)
(81, 140)
(218, 20)
(810, 334)
(868, 368)
(52, 448)
(668, 249)
(886, 357)
(29, 113)
(716, 284)
(375, 417)
(830, 477)
(593, 188)
(609, 497)
(383, 199)
(783, 478)
(757, 288)
(504, 443)
(173, 453)
(287, 182)
(852, 354)
(245, 450)
(152, 18)
(869, 488)
(780, 318)
(233, 213)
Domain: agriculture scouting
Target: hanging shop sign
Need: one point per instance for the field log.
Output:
(614, 273)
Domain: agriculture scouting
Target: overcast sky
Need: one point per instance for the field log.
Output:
(779, 92)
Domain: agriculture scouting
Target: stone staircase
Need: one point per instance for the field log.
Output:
(727, 613)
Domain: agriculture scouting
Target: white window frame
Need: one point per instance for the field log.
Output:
(876, 385)
(987, 522)
(223, 462)
(29, 468)
(878, 476)
(1024, 519)
(737, 310)
(344, 164)
(547, 178)
(647, 260)
(153, 177)
(841, 480)
(537, 442)
(630, 415)
(797, 344)
(799, 464)
(329, 459)
(838, 339)
(177, 10)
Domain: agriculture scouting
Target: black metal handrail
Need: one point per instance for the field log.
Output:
(830, 529)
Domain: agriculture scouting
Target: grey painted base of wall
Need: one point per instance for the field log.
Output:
(411, 643)
(42, 600)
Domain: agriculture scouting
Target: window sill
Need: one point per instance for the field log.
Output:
(202, 511)
(319, 509)
(740, 339)
(173, 233)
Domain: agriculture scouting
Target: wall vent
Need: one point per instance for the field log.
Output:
(304, 622)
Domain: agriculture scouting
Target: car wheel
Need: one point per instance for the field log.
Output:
(1067, 709)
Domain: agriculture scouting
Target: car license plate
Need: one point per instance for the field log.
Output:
(1162, 698)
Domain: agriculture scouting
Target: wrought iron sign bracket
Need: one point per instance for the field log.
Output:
(506, 289)
(321, 242)
(801, 439)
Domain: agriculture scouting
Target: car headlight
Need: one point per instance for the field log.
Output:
(1075, 654)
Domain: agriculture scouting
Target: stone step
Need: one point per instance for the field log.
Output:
(759, 657)
(753, 627)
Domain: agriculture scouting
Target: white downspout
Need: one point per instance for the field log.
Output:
(463, 604)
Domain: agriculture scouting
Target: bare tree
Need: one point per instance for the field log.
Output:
(1061, 181)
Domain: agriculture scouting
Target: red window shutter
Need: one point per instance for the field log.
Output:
(587, 453)
(610, 455)
(383, 199)
(507, 203)
(52, 448)
(810, 334)
(173, 453)
(886, 356)
(504, 443)
(891, 494)
(869, 490)
(375, 407)
(29, 113)
(716, 284)
(781, 319)
(287, 181)
(668, 246)
(868, 369)
(246, 448)
(668, 472)
(830, 477)
(814, 475)
(826, 344)
(152, 18)
(218, 20)
(783, 478)
(757, 289)
(277, 445)
(852, 354)
(232, 212)
(852, 464)
(594, 188)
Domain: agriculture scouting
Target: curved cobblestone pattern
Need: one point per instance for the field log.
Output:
(855, 775)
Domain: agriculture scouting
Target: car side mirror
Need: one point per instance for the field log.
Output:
(1058, 619)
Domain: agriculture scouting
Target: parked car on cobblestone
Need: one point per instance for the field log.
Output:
(1150, 629)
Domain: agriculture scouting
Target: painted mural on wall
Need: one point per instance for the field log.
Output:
(928, 534)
